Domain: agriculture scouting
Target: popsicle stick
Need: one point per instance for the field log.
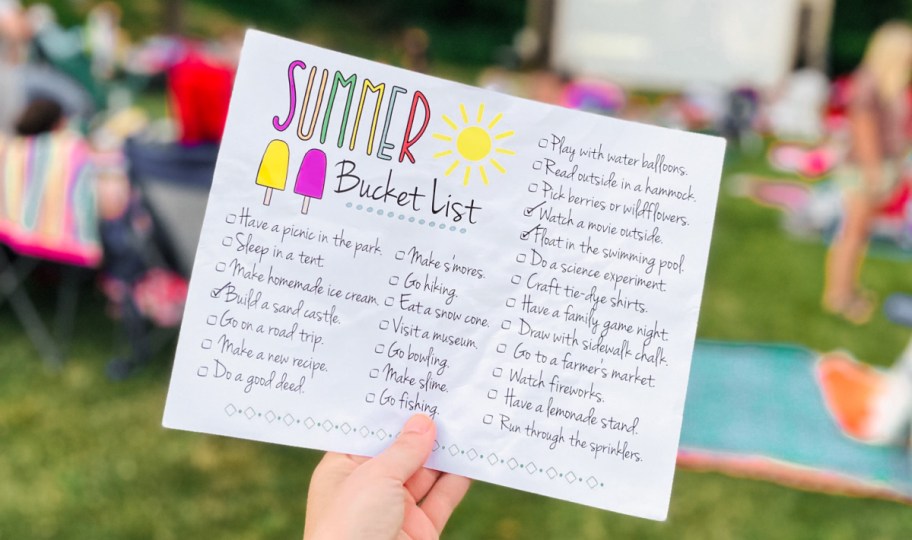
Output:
(306, 206)
(268, 198)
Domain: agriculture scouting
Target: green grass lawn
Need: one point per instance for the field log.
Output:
(83, 457)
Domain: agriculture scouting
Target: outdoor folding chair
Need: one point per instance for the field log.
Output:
(47, 214)
(174, 181)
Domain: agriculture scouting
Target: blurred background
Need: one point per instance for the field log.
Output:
(110, 118)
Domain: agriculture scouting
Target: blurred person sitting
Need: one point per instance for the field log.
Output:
(48, 205)
(42, 115)
(60, 66)
(878, 116)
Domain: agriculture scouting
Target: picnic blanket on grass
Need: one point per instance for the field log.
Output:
(756, 410)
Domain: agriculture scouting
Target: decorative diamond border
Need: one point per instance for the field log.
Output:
(454, 450)
(310, 423)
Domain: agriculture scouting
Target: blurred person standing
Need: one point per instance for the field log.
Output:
(14, 38)
(878, 117)
(103, 36)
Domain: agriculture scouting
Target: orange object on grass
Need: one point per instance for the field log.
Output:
(849, 390)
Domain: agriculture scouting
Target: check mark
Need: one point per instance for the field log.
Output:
(525, 235)
(528, 211)
(216, 292)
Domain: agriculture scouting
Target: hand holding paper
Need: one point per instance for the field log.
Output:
(355, 497)
(527, 276)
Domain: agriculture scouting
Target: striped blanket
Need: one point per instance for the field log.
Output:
(47, 198)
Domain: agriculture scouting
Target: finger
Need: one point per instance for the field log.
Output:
(332, 471)
(332, 466)
(443, 498)
(421, 482)
(409, 451)
(326, 479)
(417, 526)
(358, 460)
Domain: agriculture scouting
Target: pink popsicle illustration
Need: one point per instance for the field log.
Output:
(311, 177)
(273, 171)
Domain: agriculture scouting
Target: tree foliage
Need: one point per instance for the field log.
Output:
(853, 23)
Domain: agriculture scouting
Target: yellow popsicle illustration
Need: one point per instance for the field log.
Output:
(273, 171)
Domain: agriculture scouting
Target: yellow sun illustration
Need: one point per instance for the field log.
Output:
(474, 143)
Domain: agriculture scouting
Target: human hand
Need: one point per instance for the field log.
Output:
(389, 496)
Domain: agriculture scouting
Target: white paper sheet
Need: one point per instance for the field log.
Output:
(529, 276)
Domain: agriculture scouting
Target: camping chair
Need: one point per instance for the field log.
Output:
(174, 181)
(47, 213)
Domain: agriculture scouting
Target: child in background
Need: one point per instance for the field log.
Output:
(878, 116)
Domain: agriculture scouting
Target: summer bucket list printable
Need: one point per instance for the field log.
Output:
(379, 243)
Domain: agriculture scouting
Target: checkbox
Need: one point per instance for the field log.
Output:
(511, 302)
(394, 280)
(533, 188)
(211, 320)
(220, 267)
(230, 218)
(206, 344)
(516, 279)
(502, 348)
(487, 419)
(227, 241)
(521, 258)
(492, 394)
(379, 349)
(498, 371)
(390, 301)
(505, 325)
(374, 373)
(537, 165)
(400, 255)
(543, 143)
(202, 371)
(370, 398)
(384, 324)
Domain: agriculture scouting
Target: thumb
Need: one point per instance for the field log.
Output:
(409, 451)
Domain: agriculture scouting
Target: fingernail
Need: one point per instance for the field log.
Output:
(417, 424)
